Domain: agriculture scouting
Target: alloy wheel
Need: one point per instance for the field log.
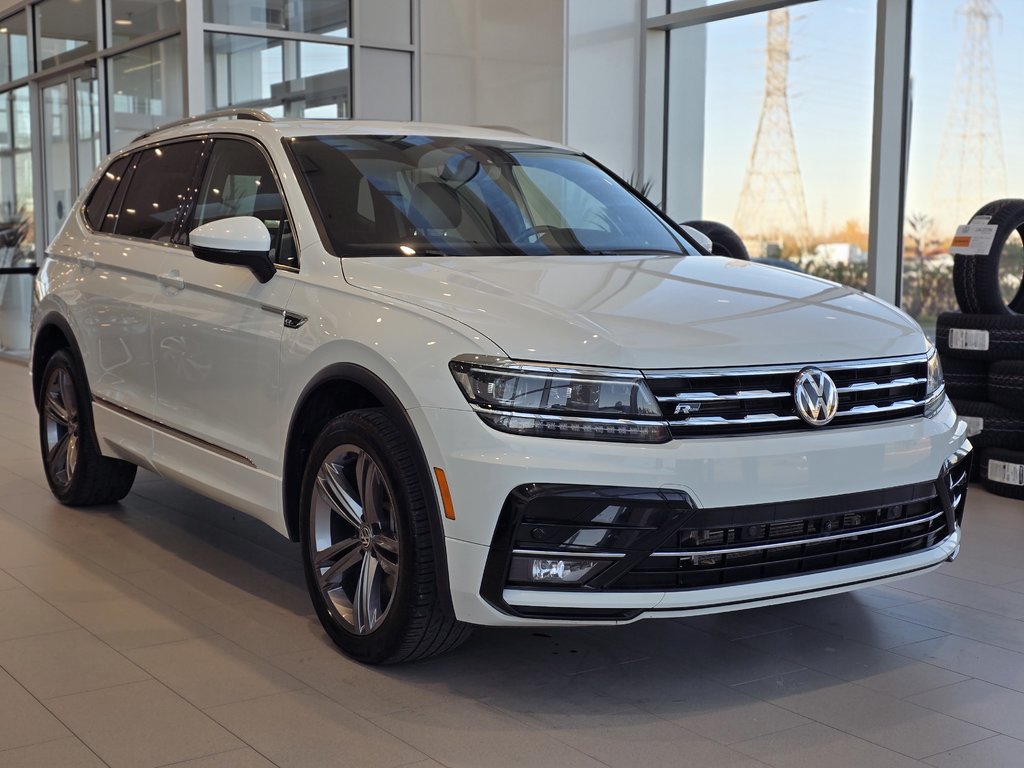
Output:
(61, 425)
(354, 539)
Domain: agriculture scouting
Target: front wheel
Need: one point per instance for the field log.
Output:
(367, 551)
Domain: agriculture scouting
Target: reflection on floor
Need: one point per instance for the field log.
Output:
(172, 630)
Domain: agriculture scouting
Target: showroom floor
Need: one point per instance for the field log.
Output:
(169, 630)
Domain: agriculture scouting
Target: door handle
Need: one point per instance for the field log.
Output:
(172, 280)
(87, 261)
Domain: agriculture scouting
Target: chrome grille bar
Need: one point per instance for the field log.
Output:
(800, 542)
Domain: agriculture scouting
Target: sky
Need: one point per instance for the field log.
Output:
(831, 95)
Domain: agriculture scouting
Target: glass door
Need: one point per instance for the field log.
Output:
(71, 141)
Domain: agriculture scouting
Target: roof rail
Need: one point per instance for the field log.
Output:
(504, 129)
(239, 113)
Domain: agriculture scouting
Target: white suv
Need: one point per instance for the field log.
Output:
(481, 381)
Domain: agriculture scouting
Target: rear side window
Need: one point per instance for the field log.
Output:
(103, 192)
(158, 188)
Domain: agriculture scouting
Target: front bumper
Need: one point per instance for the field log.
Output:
(718, 478)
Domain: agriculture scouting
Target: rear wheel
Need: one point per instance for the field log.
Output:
(367, 551)
(78, 474)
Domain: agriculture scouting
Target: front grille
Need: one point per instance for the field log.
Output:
(754, 544)
(658, 540)
(731, 401)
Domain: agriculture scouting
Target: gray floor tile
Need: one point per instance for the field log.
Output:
(8, 582)
(140, 725)
(996, 752)
(847, 617)
(23, 720)
(991, 706)
(69, 582)
(61, 753)
(640, 740)
(972, 658)
(982, 597)
(874, 668)
(471, 734)
(898, 725)
(236, 758)
(128, 622)
(26, 614)
(208, 671)
(62, 663)
(819, 746)
(307, 730)
(963, 621)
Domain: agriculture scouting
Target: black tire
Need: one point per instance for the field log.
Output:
(999, 427)
(404, 619)
(1005, 477)
(984, 337)
(965, 379)
(1006, 384)
(724, 240)
(976, 278)
(78, 474)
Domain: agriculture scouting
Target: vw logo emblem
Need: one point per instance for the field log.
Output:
(817, 398)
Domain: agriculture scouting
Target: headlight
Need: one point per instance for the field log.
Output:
(935, 392)
(555, 401)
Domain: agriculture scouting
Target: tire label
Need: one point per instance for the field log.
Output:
(975, 425)
(968, 338)
(1006, 472)
(975, 238)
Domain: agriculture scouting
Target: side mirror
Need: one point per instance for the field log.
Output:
(698, 237)
(243, 241)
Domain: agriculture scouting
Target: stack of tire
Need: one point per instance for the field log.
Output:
(981, 348)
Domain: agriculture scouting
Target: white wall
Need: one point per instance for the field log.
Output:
(603, 81)
(493, 62)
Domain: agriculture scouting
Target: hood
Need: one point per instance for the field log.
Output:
(646, 312)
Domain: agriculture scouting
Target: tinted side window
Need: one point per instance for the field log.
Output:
(157, 189)
(103, 192)
(239, 182)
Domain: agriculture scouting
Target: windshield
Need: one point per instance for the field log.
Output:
(393, 195)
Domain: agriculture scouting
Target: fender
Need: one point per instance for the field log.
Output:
(54, 319)
(369, 381)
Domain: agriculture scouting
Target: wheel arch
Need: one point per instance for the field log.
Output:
(334, 390)
(52, 334)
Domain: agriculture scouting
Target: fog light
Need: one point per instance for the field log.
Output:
(550, 570)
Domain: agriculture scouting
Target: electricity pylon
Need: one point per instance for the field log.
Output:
(971, 169)
(772, 204)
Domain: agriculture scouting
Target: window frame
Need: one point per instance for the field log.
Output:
(189, 213)
(177, 237)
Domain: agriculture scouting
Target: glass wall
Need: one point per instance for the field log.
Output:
(14, 61)
(966, 115)
(65, 30)
(146, 89)
(105, 71)
(782, 90)
(132, 19)
(17, 225)
(286, 77)
(320, 18)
